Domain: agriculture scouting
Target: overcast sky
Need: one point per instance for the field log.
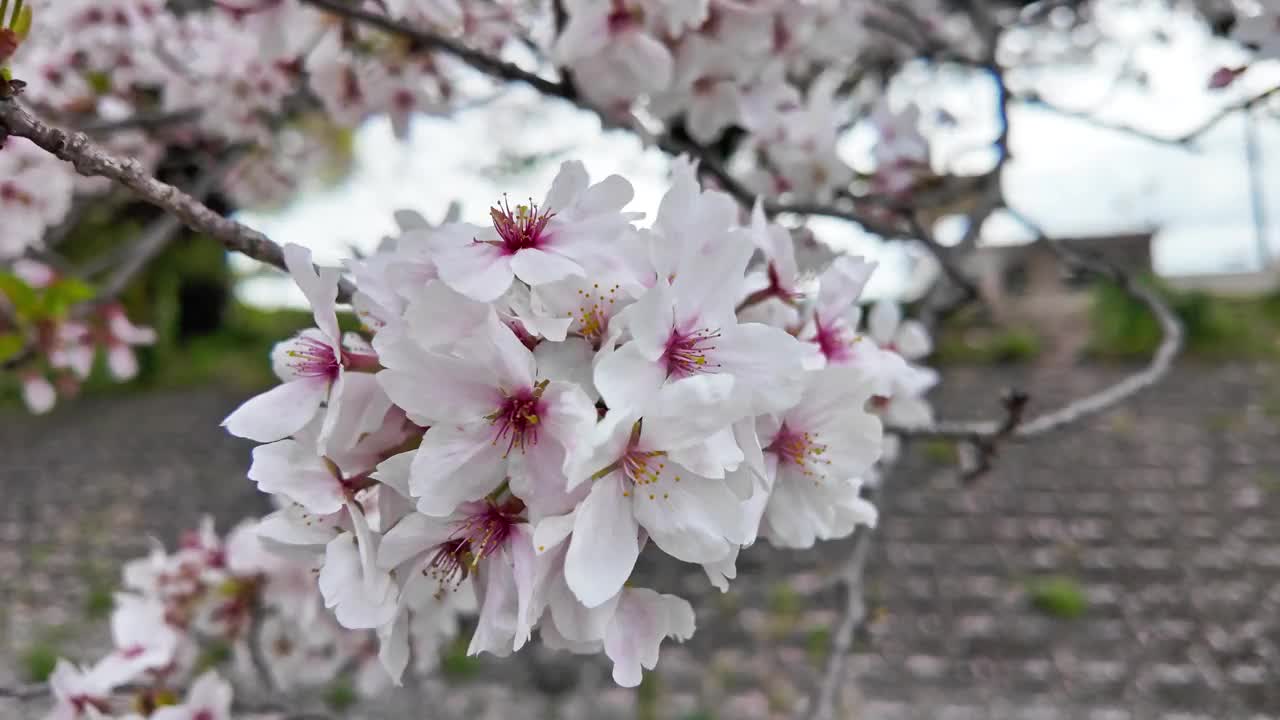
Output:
(1069, 176)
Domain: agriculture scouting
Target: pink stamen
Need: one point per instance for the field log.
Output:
(687, 353)
(521, 229)
(517, 419)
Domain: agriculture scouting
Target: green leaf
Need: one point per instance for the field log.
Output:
(10, 344)
(25, 299)
(59, 297)
(22, 25)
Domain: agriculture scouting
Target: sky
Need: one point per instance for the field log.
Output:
(1071, 177)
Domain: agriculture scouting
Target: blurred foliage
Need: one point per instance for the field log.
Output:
(456, 663)
(340, 697)
(970, 336)
(1216, 327)
(38, 660)
(1057, 596)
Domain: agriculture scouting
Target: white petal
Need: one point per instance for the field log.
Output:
(913, 340)
(415, 533)
(438, 316)
(279, 412)
(643, 620)
(122, 362)
(453, 465)
(570, 181)
(320, 288)
(883, 321)
(604, 546)
(478, 270)
(38, 394)
(538, 267)
(627, 380)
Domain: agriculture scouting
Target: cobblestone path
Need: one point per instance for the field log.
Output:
(1157, 527)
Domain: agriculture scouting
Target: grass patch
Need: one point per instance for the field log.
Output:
(38, 661)
(647, 697)
(1057, 596)
(99, 603)
(456, 663)
(939, 452)
(340, 697)
(1216, 327)
(818, 645)
(964, 344)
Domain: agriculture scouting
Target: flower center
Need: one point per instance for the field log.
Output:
(622, 18)
(520, 229)
(834, 341)
(516, 420)
(687, 353)
(593, 314)
(475, 538)
(313, 358)
(800, 449)
(642, 467)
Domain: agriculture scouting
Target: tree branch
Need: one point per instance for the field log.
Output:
(855, 613)
(141, 121)
(1171, 343)
(93, 160)
(1186, 140)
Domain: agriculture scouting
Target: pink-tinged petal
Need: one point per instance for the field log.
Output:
(841, 285)
(511, 362)
(605, 544)
(478, 270)
(394, 472)
(455, 464)
(279, 412)
(627, 379)
(643, 620)
(913, 340)
(122, 363)
(439, 316)
(38, 394)
(359, 407)
(551, 531)
(708, 285)
(766, 362)
(605, 197)
(414, 534)
(393, 648)
(524, 568)
(566, 362)
(569, 183)
(538, 478)
(570, 415)
(440, 388)
(883, 321)
(295, 527)
(650, 320)
(291, 469)
(689, 411)
(720, 573)
(712, 457)
(695, 520)
(496, 626)
(539, 267)
(320, 288)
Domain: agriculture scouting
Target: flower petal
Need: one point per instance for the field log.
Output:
(279, 412)
(604, 546)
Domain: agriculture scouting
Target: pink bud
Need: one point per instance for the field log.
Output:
(1223, 76)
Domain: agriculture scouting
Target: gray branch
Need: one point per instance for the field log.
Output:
(95, 161)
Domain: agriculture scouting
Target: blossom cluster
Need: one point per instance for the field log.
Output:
(38, 300)
(279, 74)
(538, 400)
(213, 602)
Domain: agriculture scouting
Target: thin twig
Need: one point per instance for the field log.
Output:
(23, 693)
(855, 613)
(1171, 344)
(93, 160)
(1186, 140)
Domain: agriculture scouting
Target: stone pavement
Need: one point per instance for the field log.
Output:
(1160, 520)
